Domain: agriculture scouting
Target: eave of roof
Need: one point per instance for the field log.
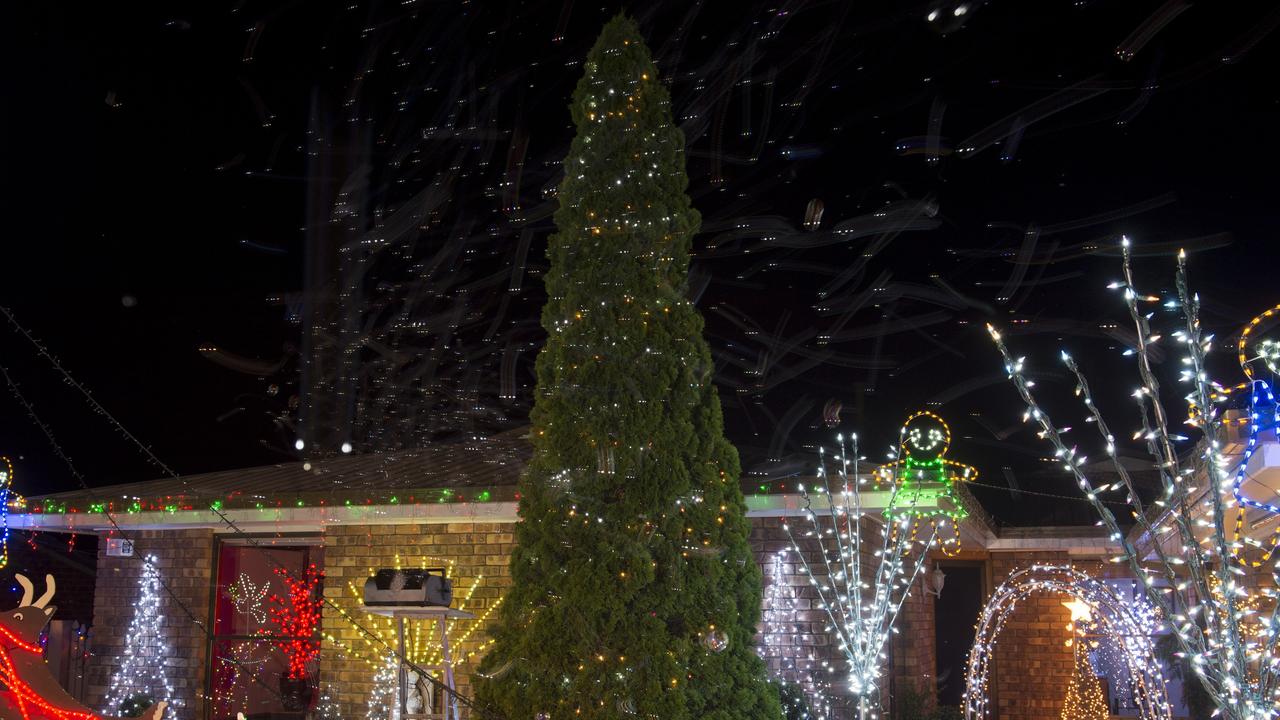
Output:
(485, 469)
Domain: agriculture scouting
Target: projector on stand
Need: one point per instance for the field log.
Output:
(408, 588)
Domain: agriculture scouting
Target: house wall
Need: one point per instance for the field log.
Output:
(479, 552)
(71, 559)
(1032, 663)
(914, 656)
(1030, 669)
(185, 561)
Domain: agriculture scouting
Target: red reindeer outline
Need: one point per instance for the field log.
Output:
(28, 691)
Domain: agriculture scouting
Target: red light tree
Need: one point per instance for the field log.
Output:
(297, 619)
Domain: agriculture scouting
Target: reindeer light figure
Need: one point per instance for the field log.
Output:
(28, 691)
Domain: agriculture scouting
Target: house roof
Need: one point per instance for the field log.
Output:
(474, 479)
(470, 470)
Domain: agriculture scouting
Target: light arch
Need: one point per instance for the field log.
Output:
(1118, 618)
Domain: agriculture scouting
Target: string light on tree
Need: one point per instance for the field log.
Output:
(327, 707)
(142, 673)
(633, 530)
(795, 704)
(792, 665)
(297, 619)
(384, 698)
(1187, 538)
(861, 567)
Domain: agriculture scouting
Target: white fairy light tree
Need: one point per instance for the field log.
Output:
(862, 567)
(1191, 550)
(141, 678)
(384, 698)
(791, 665)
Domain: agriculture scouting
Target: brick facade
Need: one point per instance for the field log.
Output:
(1032, 663)
(71, 559)
(479, 552)
(1029, 671)
(914, 653)
(185, 560)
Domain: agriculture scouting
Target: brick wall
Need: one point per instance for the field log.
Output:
(71, 559)
(1032, 664)
(915, 659)
(185, 560)
(1029, 670)
(479, 554)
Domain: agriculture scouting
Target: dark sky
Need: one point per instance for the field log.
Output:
(157, 184)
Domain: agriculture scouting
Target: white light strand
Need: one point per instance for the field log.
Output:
(142, 666)
(1185, 529)
(791, 663)
(384, 698)
(1129, 622)
(327, 708)
(861, 585)
(247, 597)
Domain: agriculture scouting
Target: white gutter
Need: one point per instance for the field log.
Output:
(315, 518)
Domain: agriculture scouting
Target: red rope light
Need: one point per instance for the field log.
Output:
(11, 637)
(24, 695)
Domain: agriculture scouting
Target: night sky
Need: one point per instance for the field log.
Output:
(157, 184)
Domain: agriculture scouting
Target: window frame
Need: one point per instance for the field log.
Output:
(309, 540)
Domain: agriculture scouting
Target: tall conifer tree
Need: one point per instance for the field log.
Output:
(634, 593)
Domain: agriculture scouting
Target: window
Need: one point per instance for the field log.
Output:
(266, 642)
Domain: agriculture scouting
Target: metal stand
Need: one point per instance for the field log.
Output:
(442, 615)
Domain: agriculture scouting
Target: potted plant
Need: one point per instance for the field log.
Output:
(134, 705)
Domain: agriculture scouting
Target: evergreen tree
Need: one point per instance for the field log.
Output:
(634, 592)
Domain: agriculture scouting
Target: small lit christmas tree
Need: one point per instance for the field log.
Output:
(1085, 700)
(141, 679)
(327, 708)
(384, 699)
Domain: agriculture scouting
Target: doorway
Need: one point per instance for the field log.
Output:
(955, 613)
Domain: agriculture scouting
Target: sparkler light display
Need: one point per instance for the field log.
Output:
(862, 568)
(1097, 608)
(1184, 530)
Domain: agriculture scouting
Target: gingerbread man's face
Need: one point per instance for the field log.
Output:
(924, 438)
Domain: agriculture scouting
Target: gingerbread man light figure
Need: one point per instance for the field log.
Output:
(923, 479)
